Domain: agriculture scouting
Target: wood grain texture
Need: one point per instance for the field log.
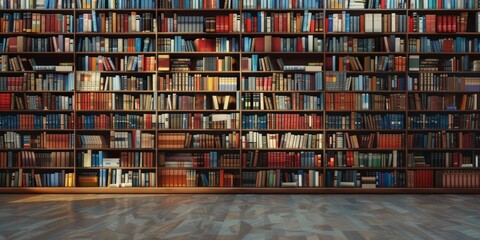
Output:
(239, 216)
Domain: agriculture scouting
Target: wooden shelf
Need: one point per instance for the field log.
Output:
(240, 155)
(215, 190)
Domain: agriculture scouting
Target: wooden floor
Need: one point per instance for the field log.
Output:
(186, 216)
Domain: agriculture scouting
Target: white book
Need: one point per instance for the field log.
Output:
(394, 22)
(368, 22)
(377, 22)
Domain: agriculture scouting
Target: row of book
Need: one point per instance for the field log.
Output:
(38, 4)
(101, 63)
(277, 178)
(282, 4)
(116, 178)
(198, 121)
(443, 139)
(282, 140)
(453, 45)
(94, 81)
(349, 158)
(29, 179)
(365, 101)
(101, 158)
(282, 121)
(259, 179)
(249, 101)
(33, 121)
(111, 44)
(366, 23)
(453, 64)
(284, 82)
(443, 159)
(354, 44)
(21, 64)
(227, 23)
(114, 22)
(368, 179)
(57, 43)
(428, 81)
(366, 121)
(197, 102)
(444, 121)
(41, 141)
(38, 82)
(285, 22)
(114, 101)
(432, 23)
(443, 4)
(268, 43)
(133, 139)
(282, 159)
(294, 101)
(117, 121)
(9, 159)
(36, 22)
(195, 178)
(115, 4)
(179, 44)
(366, 64)
(199, 4)
(210, 159)
(45, 101)
(196, 82)
(189, 140)
(366, 4)
(451, 102)
(365, 140)
(339, 81)
(457, 179)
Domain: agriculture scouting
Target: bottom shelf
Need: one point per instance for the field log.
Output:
(214, 190)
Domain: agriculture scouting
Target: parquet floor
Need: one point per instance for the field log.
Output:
(241, 216)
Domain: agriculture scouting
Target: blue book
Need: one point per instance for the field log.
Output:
(80, 23)
(100, 159)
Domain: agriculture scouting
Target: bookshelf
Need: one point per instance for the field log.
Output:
(232, 96)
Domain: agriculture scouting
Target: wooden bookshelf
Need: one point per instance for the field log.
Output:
(251, 96)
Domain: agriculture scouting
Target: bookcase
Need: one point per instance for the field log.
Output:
(239, 96)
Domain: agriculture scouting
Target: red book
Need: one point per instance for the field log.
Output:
(299, 44)
(454, 23)
(410, 24)
(276, 22)
(248, 24)
(326, 25)
(362, 23)
(276, 44)
(449, 23)
(230, 22)
(259, 44)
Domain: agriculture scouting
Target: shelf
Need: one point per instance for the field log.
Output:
(365, 149)
(367, 130)
(115, 34)
(283, 149)
(115, 53)
(230, 190)
(176, 139)
(119, 10)
(115, 130)
(126, 168)
(117, 72)
(37, 130)
(310, 130)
